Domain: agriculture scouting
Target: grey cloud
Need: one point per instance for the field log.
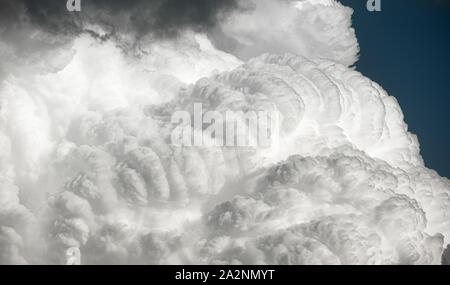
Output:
(446, 256)
(161, 18)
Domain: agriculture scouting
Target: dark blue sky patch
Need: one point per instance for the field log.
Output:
(406, 49)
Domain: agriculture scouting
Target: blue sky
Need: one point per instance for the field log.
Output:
(406, 49)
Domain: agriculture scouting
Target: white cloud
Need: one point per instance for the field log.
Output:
(344, 208)
(86, 159)
(315, 29)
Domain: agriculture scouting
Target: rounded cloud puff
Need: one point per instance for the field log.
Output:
(344, 208)
(315, 29)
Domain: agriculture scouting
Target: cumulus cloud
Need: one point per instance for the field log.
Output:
(360, 216)
(317, 29)
(86, 158)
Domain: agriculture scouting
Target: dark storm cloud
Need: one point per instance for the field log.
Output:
(139, 17)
